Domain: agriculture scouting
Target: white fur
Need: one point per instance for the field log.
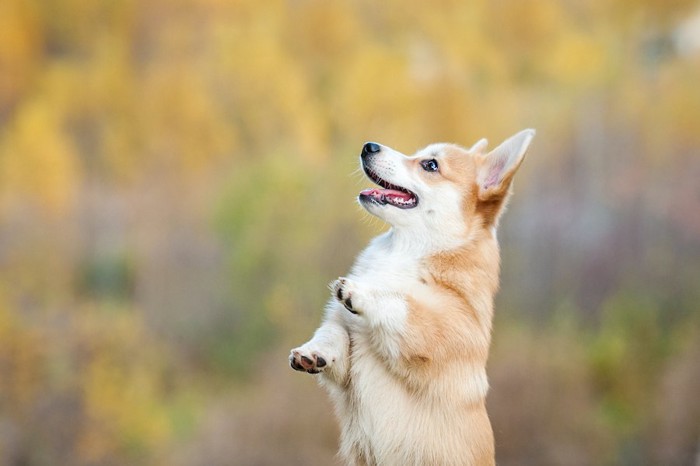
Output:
(382, 421)
(377, 415)
(416, 231)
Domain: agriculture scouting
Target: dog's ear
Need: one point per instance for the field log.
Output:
(496, 169)
(479, 147)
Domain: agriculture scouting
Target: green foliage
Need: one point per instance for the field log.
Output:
(109, 277)
(268, 218)
(627, 354)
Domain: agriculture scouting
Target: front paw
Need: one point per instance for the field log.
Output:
(343, 291)
(305, 359)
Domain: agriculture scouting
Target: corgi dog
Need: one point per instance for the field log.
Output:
(403, 346)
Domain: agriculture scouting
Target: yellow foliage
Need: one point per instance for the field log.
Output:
(20, 352)
(38, 162)
(123, 395)
(20, 49)
(579, 59)
(121, 408)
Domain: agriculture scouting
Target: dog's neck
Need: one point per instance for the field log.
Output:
(424, 242)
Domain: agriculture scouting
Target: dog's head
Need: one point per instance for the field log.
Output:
(443, 189)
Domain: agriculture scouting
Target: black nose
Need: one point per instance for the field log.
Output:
(370, 148)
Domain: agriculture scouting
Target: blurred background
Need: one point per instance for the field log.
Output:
(177, 187)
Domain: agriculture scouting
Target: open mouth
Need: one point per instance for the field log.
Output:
(389, 194)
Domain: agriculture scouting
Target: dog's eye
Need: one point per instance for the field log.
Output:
(429, 165)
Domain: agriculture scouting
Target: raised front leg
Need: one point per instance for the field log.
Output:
(411, 335)
(384, 313)
(327, 352)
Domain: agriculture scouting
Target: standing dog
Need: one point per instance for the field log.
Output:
(403, 346)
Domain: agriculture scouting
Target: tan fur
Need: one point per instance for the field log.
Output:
(406, 366)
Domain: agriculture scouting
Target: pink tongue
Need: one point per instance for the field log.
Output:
(387, 192)
(399, 194)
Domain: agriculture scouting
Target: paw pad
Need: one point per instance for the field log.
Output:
(312, 363)
(343, 295)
